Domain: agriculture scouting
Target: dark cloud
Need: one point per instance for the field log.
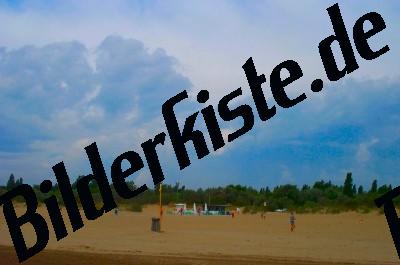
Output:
(39, 85)
(58, 98)
(63, 95)
(130, 75)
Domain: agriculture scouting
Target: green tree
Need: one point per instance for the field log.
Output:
(354, 190)
(384, 189)
(305, 187)
(360, 190)
(374, 186)
(11, 182)
(348, 185)
(19, 181)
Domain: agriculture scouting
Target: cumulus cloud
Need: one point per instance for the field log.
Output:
(54, 103)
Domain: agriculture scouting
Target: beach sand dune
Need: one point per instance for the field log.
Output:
(346, 238)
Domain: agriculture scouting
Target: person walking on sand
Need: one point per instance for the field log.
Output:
(263, 216)
(292, 220)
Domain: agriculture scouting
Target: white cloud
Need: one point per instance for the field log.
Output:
(364, 152)
(210, 39)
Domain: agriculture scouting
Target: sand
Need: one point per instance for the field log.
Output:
(351, 238)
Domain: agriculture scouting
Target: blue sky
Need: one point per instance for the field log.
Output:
(74, 72)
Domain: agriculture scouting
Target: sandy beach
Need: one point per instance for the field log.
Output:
(346, 238)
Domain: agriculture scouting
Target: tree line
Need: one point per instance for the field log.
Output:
(322, 196)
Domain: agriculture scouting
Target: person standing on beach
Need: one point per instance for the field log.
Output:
(292, 220)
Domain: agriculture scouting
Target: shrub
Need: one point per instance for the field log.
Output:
(364, 210)
(334, 210)
(135, 207)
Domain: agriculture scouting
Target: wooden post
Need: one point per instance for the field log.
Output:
(161, 209)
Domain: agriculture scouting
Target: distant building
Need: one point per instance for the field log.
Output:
(213, 209)
(218, 209)
(180, 207)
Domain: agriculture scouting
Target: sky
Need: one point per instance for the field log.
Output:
(76, 72)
